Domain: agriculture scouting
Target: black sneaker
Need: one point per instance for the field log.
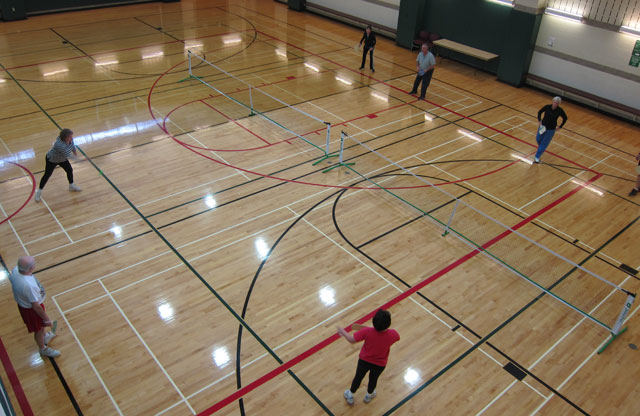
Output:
(633, 192)
(413, 92)
(372, 69)
(361, 68)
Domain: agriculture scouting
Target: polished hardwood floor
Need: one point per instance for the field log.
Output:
(208, 256)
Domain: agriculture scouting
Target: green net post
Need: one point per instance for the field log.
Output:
(453, 212)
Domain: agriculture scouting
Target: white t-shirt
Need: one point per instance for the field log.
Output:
(26, 289)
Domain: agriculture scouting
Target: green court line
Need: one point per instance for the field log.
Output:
(177, 253)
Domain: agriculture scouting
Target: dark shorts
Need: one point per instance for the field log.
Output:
(31, 318)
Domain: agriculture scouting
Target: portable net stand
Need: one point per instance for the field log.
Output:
(251, 106)
(340, 155)
(594, 297)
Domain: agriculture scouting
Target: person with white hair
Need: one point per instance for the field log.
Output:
(547, 122)
(29, 294)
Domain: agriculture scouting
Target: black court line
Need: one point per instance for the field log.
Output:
(66, 386)
(459, 323)
(179, 255)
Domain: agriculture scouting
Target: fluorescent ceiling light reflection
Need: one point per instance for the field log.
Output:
(327, 295)
(221, 356)
(166, 311)
(17, 157)
(59, 71)
(107, 62)
(411, 376)
(589, 187)
(469, 135)
(231, 41)
(630, 31)
(281, 52)
(125, 130)
(152, 55)
(344, 81)
(428, 117)
(116, 230)
(565, 15)
(262, 248)
(210, 201)
(2, 80)
(188, 45)
(522, 159)
(313, 68)
(381, 97)
(3, 275)
(503, 2)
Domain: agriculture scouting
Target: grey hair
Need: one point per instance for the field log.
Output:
(25, 264)
(425, 44)
(557, 100)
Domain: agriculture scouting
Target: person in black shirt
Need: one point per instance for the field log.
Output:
(635, 190)
(369, 39)
(547, 125)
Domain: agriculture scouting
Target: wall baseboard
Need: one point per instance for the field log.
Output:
(599, 103)
(350, 20)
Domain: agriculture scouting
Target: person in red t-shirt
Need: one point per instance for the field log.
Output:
(374, 352)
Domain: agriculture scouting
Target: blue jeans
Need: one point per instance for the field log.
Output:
(543, 141)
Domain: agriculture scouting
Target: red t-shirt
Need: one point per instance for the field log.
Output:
(376, 344)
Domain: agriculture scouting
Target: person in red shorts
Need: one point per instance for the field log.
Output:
(29, 294)
(374, 352)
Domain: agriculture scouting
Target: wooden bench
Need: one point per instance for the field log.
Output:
(466, 50)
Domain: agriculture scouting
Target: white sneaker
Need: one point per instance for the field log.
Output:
(49, 352)
(38, 193)
(536, 160)
(368, 397)
(348, 396)
(74, 188)
(48, 337)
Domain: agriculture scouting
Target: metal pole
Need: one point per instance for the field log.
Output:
(342, 134)
(328, 136)
(250, 100)
(446, 229)
(189, 56)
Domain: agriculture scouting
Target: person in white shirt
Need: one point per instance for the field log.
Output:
(425, 64)
(29, 295)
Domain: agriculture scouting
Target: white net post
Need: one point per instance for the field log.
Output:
(631, 297)
(328, 136)
(342, 134)
(453, 212)
(251, 101)
(189, 59)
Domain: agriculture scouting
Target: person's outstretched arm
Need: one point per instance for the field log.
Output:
(346, 335)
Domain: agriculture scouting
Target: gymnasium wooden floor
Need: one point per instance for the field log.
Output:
(195, 217)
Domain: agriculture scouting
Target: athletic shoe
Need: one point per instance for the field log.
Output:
(48, 337)
(361, 68)
(368, 397)
(373, 70)
(633, 192)
(38, 193)
(49, 352)
(74, 188)
(536, 160)
(421, 97)
(413, 92)
(348, 396)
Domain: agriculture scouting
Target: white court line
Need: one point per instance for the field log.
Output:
(133, 328)
(84, 352)
(495, 399)
(56, 219)
(13, 229)
(579, 367)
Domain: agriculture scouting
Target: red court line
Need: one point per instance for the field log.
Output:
(327, 341)
(33, 190)
(430, 102)
(120, 50)
(234, 121)
(15, 382)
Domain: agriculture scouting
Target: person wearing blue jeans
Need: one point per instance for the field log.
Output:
(425, 64)
(547, 122)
